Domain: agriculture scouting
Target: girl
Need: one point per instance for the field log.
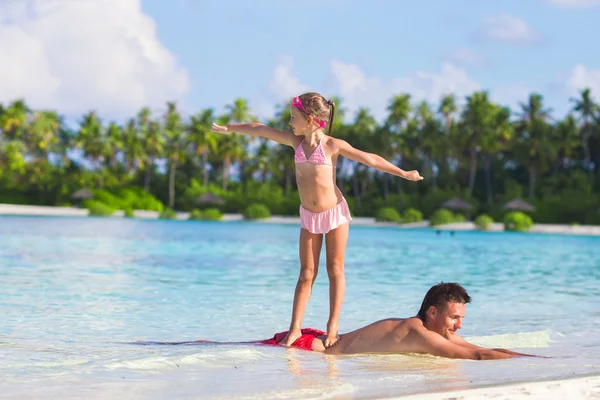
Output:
(323, 209)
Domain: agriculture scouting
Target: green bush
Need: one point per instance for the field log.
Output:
(196, 215)
(139, 199)
(459, 218)
(98, 209)
(483, 222)
(105, 197)
(256, 211)
(442, 216)
(212, 214)
(517, 221)
(167, 213)
(412, 215)
(134, 198)
(128, 213)
(388, 214)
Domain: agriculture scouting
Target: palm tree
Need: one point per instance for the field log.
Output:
(282, 157)
(496, 139)
(430, 140)
(449, 150)
(175, 143)
(476, 120)
(133, 146)
(534, 145)
(203, 140)
(44, 133)
(588, 115)
(91, 138)
(233, 146)
(360, 134)
(114, 138)
(566, 136)
(152, 143)
(14, 120)
(389, 142)
(447, 109)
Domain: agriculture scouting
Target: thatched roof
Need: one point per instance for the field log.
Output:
(519, 205)
(210, 198)
(457, 204)
(82, 194)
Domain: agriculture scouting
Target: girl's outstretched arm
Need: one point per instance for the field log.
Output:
(374, 161)
(257, 129)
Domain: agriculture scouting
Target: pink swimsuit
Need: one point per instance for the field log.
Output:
(323, 222)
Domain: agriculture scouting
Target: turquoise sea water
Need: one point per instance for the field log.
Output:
(77, 293)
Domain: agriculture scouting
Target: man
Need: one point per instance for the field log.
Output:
(432, 331)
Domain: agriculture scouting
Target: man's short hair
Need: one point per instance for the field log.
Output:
(441, 294)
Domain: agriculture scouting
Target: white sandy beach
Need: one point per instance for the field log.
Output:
(15, 209)
(567, 389)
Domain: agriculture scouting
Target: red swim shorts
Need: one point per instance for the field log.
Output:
(303, 342)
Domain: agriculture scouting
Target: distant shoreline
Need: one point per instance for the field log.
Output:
(50, 211)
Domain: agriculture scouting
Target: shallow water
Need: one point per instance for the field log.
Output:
(76, 295)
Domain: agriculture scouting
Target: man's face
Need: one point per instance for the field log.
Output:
(446, 320)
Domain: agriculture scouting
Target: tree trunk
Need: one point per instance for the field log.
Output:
(356, 191)
(288, 181)
(586, 145)
(149, 167)
(532, 177)
(400, 188)
(205, 168)
(433, 179)
(473, 170)
(263, 174)
(386, 188)
(172, 171)
(339, 176)
(226, 166)
(487, 164)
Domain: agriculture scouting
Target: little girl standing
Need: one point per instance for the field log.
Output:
(323, 209)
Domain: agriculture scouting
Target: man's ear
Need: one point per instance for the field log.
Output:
(431, 313)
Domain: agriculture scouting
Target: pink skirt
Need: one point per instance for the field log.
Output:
(323, 222)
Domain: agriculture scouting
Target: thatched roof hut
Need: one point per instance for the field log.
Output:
(518, 205)
(210, 198)
(457, 204)
(82, 194)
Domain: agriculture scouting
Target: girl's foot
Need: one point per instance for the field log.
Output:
(331, 339)
(291, 337)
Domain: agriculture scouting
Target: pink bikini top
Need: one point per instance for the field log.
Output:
(317, 156)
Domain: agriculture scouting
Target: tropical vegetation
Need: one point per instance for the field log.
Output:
(482, 152)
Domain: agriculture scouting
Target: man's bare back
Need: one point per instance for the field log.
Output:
(385, 336)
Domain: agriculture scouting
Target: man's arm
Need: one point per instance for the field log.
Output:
(456, 339)
(424, 341)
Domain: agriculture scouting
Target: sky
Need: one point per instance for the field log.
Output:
(116, 56)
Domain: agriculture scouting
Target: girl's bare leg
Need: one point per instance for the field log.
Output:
(310, 250)
(336, 241)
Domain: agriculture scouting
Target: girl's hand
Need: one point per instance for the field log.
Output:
(413, 176)
(220, 129)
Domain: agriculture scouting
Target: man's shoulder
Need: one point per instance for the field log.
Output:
(407, 325)
(413, 322)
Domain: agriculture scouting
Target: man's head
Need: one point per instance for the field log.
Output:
(443, 308)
